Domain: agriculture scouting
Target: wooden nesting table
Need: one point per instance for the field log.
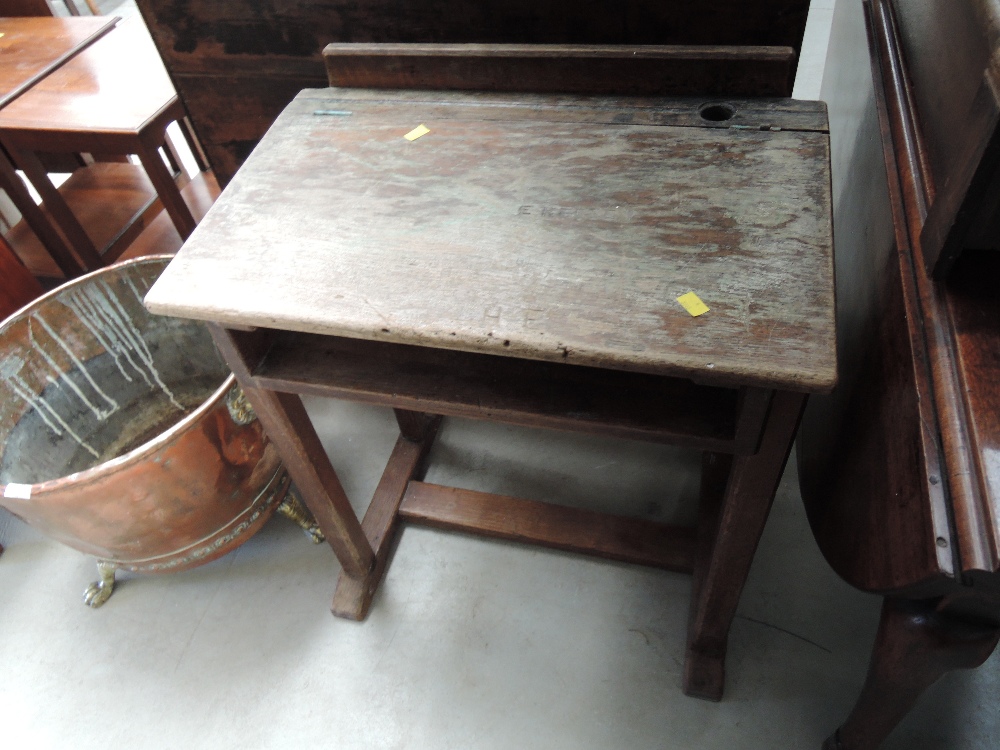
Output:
(113, 98)
(520, 263)
(31, 49)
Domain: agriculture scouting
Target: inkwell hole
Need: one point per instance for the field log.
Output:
(717, 112)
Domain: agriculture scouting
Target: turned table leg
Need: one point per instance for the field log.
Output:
(915, 645)
(728, 538)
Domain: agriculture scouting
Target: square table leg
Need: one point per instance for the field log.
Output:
(288, 426)
(737, 493)
(406, 463)
(165, 186)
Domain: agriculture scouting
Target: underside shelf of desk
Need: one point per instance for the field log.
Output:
(504, 389)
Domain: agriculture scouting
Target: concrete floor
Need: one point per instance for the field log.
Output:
(471, 644)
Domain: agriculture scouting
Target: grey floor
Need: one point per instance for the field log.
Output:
(470, 643)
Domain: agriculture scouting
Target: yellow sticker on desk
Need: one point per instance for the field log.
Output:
(693, 304)
(417, 132)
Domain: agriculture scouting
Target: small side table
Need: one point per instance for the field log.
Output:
(521, 263)
(30, 49)
(114, 98)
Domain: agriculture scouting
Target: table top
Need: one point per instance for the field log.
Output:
(555, 228)
(115, 85)
(31, 48)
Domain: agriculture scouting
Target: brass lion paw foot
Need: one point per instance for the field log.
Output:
(295, 510)
(100, 591)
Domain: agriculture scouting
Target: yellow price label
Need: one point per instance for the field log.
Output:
(693, 304)
(417, 132)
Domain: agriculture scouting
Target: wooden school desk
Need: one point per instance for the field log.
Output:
(521, 263)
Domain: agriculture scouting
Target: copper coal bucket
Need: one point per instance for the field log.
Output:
(124, 435)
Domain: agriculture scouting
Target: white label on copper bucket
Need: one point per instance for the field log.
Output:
(18, 491)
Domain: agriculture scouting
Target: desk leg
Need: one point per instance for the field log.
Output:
(287, 425)
(166, 188)
(728, 540)
(406, 463)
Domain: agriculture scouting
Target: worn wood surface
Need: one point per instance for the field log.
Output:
(645, 70)
(554, 526)
(32, 48)
(540, 223)
(237, 63)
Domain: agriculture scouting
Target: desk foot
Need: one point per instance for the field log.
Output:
(704, 675)
(354, 595)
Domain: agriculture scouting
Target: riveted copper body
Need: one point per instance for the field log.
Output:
(116, 432)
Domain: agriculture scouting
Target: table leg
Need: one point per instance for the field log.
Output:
(730, 538)
(916, 644)
(193, 143)
(36, 219)
(407, 462)
(288, 426)
(53, 202)
(166, 188)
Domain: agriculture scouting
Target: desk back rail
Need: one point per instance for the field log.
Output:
(639, 70)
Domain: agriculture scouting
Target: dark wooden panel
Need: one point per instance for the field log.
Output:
(275, 45)
(555, 526)
(503, 389)
(868, 451)
(949, 52)
(646, 70)
(231, 113)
